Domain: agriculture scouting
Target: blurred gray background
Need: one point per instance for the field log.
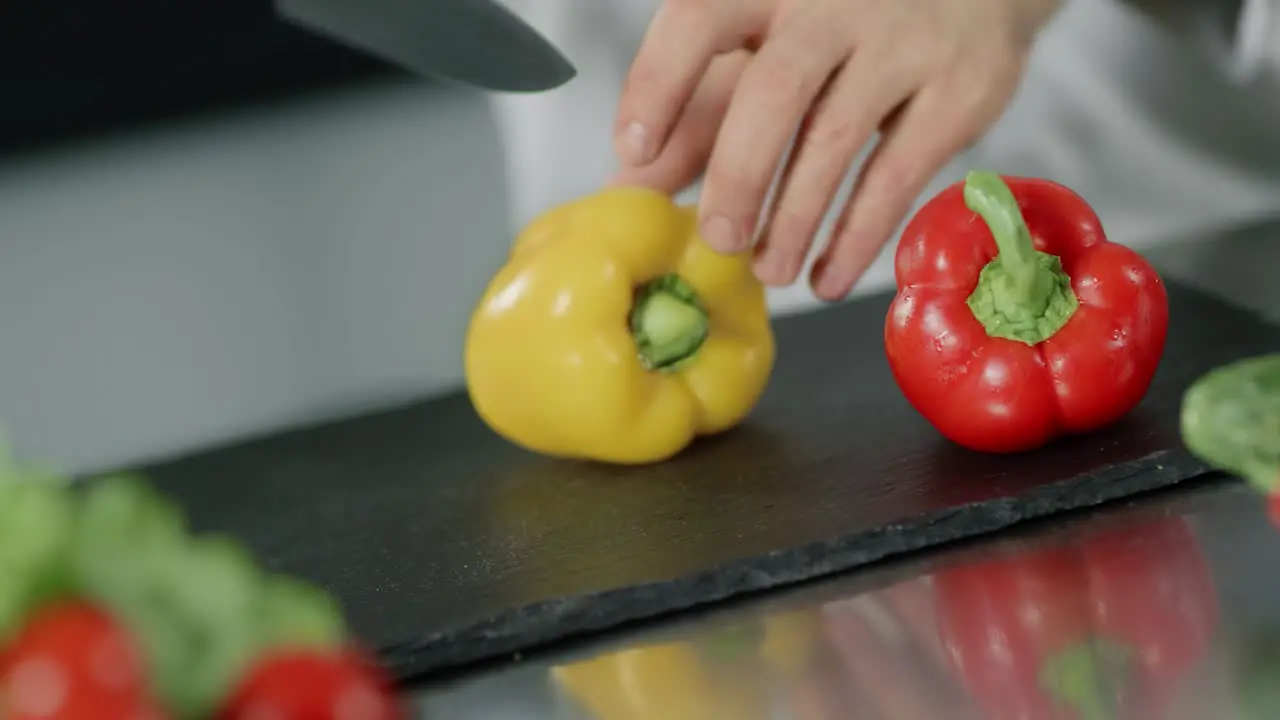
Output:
(177, 286)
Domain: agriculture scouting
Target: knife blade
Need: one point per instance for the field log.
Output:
(475, 42)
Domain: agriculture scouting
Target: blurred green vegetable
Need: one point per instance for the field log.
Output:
(1231, 420)
(201, 607)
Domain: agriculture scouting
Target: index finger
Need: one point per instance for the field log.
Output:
(677, 48)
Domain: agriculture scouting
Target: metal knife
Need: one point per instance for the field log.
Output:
(475, 42)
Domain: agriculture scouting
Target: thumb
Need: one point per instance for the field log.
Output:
(684, 157)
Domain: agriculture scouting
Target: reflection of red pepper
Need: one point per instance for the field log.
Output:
(1106, 627)
(1061, 332)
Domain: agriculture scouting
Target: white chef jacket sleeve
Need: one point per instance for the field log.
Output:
(1241, 36)
(1257, 40)
(558, 144)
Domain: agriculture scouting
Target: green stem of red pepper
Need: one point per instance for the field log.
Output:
(1023, 294)
(1089, 678)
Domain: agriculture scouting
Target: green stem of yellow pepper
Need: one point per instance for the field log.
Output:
(668, 322)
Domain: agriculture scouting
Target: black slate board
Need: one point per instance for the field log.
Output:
(447, 545)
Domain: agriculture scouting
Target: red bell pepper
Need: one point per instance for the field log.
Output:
(1016, 321)
(1107, 626)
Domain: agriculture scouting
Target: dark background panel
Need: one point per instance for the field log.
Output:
(448, 545)
(80, 67)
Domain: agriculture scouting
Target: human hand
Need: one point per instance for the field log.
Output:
(722, 86)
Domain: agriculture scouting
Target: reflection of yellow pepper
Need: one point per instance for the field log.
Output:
(791, 641)
(662, 682)
(614, 333)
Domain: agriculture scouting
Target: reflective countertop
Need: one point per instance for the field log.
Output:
(1160, 607)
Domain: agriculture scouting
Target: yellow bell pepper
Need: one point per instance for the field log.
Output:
(614, 333)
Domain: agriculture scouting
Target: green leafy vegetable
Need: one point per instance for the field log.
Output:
(199, 605)
(1231, 419)
(299, 615)
(36, 514)
(34, 525)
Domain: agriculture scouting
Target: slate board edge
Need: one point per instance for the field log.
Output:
(578, 616)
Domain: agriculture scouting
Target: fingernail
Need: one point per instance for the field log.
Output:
(771, 269)
(720, 234)
(635, 144)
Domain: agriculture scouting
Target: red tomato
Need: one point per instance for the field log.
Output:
(73, 662)
(1273, 508)
(307, 685)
